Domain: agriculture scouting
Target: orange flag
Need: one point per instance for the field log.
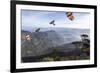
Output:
(70, 16)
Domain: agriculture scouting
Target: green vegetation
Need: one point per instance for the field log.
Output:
(64, 58)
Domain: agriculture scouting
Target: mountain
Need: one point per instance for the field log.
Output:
(55, 38)
(47, 39)
(68, 34)
(40, 44)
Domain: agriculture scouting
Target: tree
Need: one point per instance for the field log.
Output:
(85, 44)
(84, 36)
(85, 39)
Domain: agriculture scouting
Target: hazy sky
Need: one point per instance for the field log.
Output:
(43, 18)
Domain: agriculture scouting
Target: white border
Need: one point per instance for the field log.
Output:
(20, 65)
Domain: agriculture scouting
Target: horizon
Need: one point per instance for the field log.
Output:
(54, 29)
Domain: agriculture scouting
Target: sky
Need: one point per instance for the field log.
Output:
(41, 19)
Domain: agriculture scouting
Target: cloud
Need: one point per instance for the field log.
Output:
(42, 19)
